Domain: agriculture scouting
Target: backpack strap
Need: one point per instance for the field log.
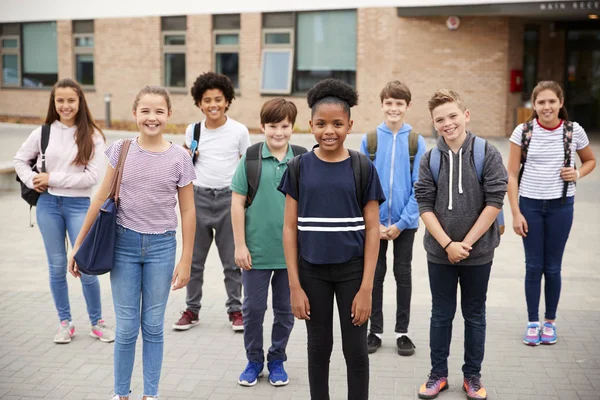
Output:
(372, 144)
(297, 150)
(253, 171)
(361, 169)
(294, 173)
(413, 148)
(478, 152)
(525, 141)
(435, 161)
(44, 144)
(567, 140)
(197, 132)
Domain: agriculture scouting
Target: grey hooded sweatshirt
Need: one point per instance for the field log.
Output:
(459, 198)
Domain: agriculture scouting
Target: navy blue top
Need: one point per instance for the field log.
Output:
(331, 228)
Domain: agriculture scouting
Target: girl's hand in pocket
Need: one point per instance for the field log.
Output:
(361, 307)
(300, 304)
(181, 275)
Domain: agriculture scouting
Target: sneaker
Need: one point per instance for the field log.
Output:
(103, 332)
(373, 343)
(65, 332)
(434, 385)
(532, 335)
(474, 389)
(548, 333)
(237, 321)
(188, 320)
(405, 346)
(251, 374)
(277, 374)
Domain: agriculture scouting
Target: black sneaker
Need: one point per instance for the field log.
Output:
(405, 346)
(373, 343)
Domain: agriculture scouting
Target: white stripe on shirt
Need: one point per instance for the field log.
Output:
(331, 228)
(330, 220)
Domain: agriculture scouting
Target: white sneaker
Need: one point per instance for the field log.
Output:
(65, 332)
(103, 332)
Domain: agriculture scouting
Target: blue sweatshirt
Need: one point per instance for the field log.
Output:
(392, 161)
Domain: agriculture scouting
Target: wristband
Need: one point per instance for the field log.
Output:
(578, 174)
(449, 243)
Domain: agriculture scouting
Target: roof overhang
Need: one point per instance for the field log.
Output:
(543, 9)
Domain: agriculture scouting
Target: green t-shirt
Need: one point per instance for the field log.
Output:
(264, 218)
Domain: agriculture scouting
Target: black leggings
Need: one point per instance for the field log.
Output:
(321, 282)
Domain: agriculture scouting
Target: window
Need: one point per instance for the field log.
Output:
(173, 45)
(226, 40)
(278, 53)
(10, 48)
(83, 44)
(530, 59)
(325, 47)
(29, 54)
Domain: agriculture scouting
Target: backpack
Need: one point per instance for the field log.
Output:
(567, 140)
(360, 167)
(254, 168)
(197, 128)
(30, 195)
(413, 146)
(478, 151)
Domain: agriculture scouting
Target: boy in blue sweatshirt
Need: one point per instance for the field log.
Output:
(396, 151)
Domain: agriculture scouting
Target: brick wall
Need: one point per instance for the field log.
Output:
(473, 60)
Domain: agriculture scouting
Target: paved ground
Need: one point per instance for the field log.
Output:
(204, 363)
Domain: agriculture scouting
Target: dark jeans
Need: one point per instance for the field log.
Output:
(403, 249)
(256, 291)
(549, 223)
(321, 283)
(443, 281)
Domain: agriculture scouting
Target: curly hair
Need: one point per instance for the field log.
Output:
(332, 91)
(211, 80)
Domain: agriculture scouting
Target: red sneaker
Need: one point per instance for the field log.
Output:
(237, 321)
(188, 320)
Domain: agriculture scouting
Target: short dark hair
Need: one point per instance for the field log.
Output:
(395, 90)
(277, 110)
(332, 91)
(211, 80)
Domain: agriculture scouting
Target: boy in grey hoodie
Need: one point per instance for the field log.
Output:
(459, 210)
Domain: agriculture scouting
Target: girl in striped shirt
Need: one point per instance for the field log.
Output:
(541, 190)
(156, 174)
(331, 241)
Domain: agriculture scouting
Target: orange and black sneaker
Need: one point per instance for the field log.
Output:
(434, 385)
(474, 389)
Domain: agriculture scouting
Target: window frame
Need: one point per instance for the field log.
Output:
(12, 51)
(84, 51)
(226, 48)
(278, 48)
(173, 49)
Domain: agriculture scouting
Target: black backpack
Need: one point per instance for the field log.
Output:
(197, 128)
(254, 167)
(30, 195)
(360, 166)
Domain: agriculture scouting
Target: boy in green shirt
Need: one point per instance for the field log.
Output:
(257, 218)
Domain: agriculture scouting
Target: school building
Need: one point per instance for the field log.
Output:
(492, 52)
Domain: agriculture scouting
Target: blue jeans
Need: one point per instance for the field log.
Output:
(57, 216)
(443, 281)
(256, 291)
(549, 223)
(141, 281)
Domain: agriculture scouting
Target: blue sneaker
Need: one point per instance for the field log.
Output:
(277, 374)
(532, 335)
(251, 374)
(549, 333)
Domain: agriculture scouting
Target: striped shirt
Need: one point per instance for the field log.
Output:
(545, 157)
(148, 193)
(331, 228)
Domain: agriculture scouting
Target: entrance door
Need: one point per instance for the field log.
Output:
(583, 78)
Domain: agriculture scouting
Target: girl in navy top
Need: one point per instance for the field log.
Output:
(331, 242)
